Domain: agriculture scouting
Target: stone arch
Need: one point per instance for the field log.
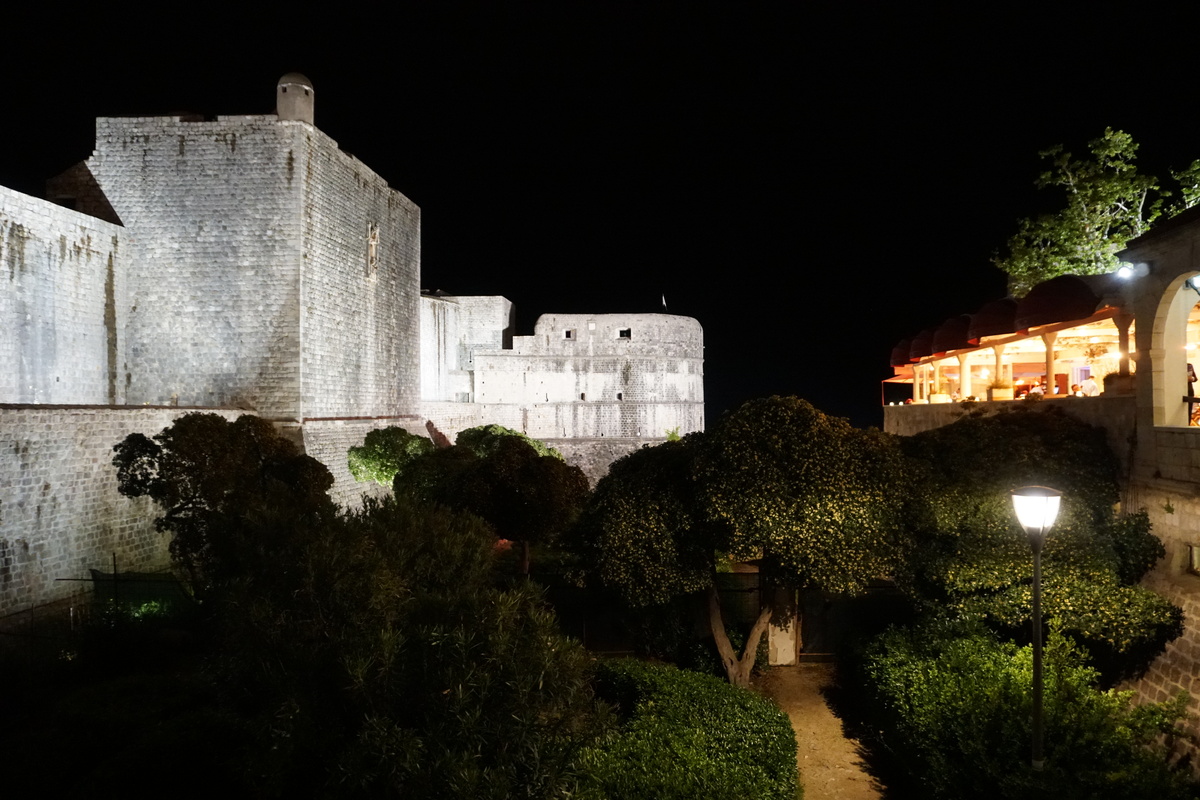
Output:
(1168, 351)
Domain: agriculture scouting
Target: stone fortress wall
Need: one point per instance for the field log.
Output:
(60, 511)
(64, 279)
(246, 264)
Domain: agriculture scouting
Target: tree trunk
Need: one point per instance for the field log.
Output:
(737, 670)
(525, 557)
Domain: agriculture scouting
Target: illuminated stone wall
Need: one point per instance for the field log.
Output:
(212, 311)
(60, 511)
(63, 277)
(1175, 515)
(252, 230)
(597, 376)
(360, 288)
(452, 330)
(248, 263)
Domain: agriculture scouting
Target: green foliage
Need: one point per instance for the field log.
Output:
(384, 453)
(1136, 548)
(380, 659)
(1107, 203)
(521, 488)
(973, 561)
(1188, 179)
(819, 501)
(484, 440)
(685, 735)
(673, 434)
(954, 705)
(210, 476)
(639, 534)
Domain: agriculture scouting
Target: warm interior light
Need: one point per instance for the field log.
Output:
(1036, 507)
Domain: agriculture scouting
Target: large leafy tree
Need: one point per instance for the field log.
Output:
(519, 486)
(1107, 202)
(813, 501)
(209, 477)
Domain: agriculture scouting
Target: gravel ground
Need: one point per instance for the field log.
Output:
(830, 766)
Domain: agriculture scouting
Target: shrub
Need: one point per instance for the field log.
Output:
(685, 735)
(385, 452)
(972, 561)
(954, 705)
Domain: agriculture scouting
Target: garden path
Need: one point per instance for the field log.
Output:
(830, 765)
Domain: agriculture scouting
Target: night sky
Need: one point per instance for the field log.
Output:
(811, 183)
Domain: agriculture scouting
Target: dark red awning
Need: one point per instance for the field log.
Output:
(1064, 299)
(952, 335)
(994, 319)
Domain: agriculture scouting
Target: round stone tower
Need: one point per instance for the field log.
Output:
(294, 98)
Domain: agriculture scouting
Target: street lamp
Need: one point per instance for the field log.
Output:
(1037, 507)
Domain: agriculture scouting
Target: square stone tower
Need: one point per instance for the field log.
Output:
(272, 271)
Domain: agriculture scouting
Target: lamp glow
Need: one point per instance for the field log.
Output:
(1036, 508)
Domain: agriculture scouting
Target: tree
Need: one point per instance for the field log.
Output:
(813, 501)
(519, 486)
(379, 658)
(385, 452)
(1108, 202)
(818, 502)
(210, 476)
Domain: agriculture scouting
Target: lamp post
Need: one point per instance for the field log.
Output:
(1037, 507)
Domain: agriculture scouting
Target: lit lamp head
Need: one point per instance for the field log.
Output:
(1037, 508)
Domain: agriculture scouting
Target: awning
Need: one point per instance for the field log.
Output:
(952, 335)
(997, 318)
(1063, 299)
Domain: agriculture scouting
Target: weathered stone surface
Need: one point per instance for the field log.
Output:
(60, 511)
(248, 263)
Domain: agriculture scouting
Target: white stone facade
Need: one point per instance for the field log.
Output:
(247, 264)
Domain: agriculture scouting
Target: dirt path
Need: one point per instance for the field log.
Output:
(830, 767)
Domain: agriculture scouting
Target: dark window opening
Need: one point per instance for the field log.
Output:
(583, 396)
(625, 333)
(620, 396)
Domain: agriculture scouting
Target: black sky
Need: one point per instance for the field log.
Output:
(812, 182)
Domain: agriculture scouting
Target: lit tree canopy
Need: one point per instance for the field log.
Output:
(813, 500)
(1108, 202)
(385, 452)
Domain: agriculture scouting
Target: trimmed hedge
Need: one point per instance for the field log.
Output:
(953, 706)
(686, 735)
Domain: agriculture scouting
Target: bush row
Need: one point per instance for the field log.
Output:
(954, 706)
(686, 735)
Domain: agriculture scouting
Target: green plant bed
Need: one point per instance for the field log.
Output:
(953, 706)
(685, 735)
